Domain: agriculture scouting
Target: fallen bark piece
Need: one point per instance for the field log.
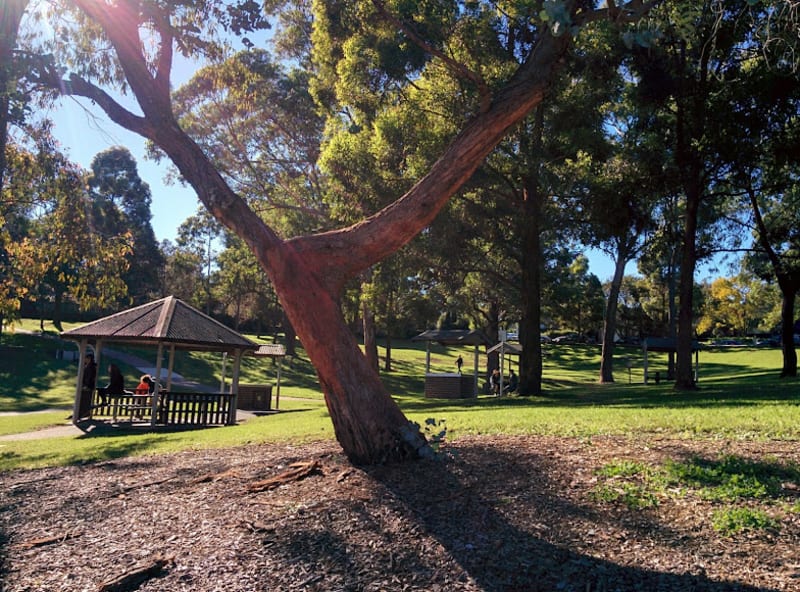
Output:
(123, 490)
(213, 477)
(297, 471)
(343, 475)
(44, 541)
(257, 526)
(134, 577)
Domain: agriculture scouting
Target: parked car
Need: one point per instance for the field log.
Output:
(569, 338)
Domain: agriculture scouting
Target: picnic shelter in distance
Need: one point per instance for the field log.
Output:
(666, 345)
(168, 324)
(452, 385)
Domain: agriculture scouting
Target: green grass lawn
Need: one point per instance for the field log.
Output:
(740, 396)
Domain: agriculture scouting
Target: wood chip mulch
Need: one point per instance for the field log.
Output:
(500, 514)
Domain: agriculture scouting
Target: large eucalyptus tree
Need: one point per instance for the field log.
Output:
(703, 47)
(310, 271)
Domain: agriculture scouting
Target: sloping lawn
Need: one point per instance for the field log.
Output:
(740, 397)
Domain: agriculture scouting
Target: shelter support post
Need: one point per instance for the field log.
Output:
(98, 354)
(171, 366)
(235, 387)
(278, 387)
(475, 373)
(157, 392)
(223, 372)
(502, 366)
(427, 357)
(76, 406)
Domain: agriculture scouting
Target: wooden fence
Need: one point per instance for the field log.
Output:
(174, 408)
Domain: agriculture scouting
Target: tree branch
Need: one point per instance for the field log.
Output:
(77, 86)
(165, 54)
(353, 249)
(627, 13)
(121, 22)
(389, 229)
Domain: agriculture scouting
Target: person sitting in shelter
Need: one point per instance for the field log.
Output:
(494, 381)
(146, 385)
(513, 382)
(115, 386)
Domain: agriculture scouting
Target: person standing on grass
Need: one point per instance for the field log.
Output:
(459, 363)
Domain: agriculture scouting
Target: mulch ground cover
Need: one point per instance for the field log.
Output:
(495, 514)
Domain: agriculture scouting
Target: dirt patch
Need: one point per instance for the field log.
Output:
(504, 514)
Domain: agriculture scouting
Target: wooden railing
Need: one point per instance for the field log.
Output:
(174, 408)
(195, 408)
(126, 407)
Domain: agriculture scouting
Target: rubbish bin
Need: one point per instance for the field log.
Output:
(255, 397)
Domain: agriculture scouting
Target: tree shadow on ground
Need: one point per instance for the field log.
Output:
(502, 552)
(491, 520)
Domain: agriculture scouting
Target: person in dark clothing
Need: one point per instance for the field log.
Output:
(116, 384)
(513, 382)
(459, 363)
(494, 381)
(89, 373)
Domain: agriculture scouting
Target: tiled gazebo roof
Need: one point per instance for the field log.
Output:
(270, 350)
(170, 321)
(453, 337)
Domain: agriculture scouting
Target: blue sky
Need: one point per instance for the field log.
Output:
(84, 131)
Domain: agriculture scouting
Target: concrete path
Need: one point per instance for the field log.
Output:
(69, 430)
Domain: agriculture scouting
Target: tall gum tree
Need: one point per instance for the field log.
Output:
(309, 272)
(701, 45)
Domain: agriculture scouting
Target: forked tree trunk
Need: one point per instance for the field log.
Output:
(308, 272)
(369, 425)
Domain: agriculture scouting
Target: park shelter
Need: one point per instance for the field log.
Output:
(669, 345)
(259, 397)
(505, 348)
(168, 324)
(451, 384)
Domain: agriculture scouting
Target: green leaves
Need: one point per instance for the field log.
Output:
(556, 14)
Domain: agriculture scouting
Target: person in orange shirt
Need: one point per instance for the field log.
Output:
(146, 385)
